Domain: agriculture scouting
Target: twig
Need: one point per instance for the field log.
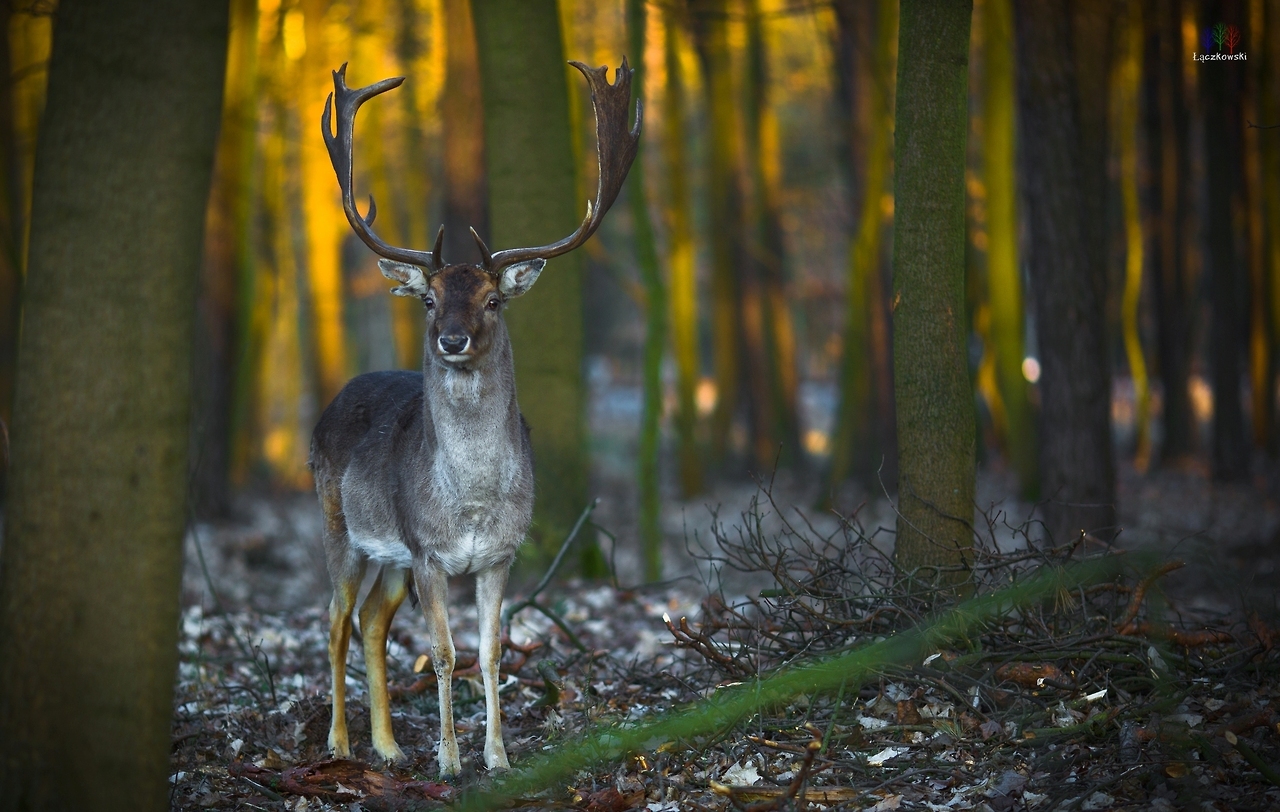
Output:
(531, 602)
(1268, 772)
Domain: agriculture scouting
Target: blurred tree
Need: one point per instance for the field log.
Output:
(1261, 363)
(466, 191)
(710, 19)
(323, 220)
(531, 167)
(1004, 271)
(655, 306)
(1062, 173)
(931, 375)
(1227, 276)
(683, 280)
(1166, 133)
(1126, 102)
(227, 266)
(768, 336)
(92, 556)
(1269, 114)
(863, 439)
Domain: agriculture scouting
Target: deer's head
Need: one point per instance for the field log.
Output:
(464, 302)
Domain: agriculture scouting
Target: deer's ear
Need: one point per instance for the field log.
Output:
(517, 279)
(413, 283)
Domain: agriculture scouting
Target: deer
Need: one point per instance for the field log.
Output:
(429, 474)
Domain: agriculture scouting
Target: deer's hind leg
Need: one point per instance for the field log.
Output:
(388, 592)
(346, 571)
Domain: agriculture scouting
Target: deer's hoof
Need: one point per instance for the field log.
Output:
(392, 754)
(339, 746)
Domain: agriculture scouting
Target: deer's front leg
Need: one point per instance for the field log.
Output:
(433, 587)
(490, 584)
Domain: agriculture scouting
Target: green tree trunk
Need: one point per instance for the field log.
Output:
(655, 325)
(534, 200)
(1061, 177)
(931, 375)
(1003, 268)
(683, 275)
(92, 560)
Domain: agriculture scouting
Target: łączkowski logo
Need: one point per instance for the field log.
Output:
(1220, 41)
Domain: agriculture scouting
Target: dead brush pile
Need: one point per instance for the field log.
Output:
(1101, 695)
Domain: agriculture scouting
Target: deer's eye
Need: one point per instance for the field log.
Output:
(493, 304)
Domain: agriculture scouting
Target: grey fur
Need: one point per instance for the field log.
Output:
(430, 473)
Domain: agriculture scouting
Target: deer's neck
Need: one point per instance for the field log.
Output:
(475, 424)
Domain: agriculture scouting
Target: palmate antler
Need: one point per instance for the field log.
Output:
(615, 146)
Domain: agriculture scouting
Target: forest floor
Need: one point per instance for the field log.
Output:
(1148, 691)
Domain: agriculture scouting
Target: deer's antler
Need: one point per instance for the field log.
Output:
(340, 146)
(616, 149)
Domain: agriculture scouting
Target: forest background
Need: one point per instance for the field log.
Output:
(737, 308)
(1042, 241)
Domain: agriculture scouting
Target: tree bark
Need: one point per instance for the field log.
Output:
(92, 558)
(1062, 177)
(531, 166)
(931, 375)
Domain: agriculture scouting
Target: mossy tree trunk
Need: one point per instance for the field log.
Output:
(655, 323)
(1062, 175)
(931, 376)
(534, 200)
(92, 558)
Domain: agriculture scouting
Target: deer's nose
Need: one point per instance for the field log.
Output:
(454, 344)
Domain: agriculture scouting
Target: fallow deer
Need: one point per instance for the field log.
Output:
(431, 473)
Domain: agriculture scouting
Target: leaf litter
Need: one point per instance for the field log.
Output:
(1109, 697)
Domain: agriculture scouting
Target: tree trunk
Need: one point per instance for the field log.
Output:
(724, 211)
(1004, 271)
(1167, 124)
(1061, 182)
(1227, 275)
(322, 213)
(531, 166)
(862, 443)
(92, 557)
(931, 375)
(655, 325)
(1261, 363)
(466, 189)
(227, 263)
(1126, 99)
(683, 274)
(1269, 113)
